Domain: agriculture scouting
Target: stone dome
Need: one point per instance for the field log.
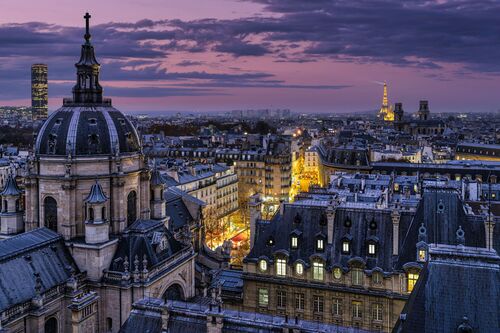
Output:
(87, 124)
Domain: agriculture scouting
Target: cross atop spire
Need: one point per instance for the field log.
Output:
(87, 27)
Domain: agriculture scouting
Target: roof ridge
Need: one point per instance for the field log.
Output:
(8, 256)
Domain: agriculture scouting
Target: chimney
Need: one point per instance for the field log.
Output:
(330, 216)
(489, 225)
(396, 217)
(255, 205)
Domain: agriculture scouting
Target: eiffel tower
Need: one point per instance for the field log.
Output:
(386, 112)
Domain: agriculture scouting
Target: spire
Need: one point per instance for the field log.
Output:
(87, 28)
(87, 89)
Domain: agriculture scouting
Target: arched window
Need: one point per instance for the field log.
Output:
(109, 324)
(357, 276)
(131, 207)
(412, 278)
(174, 292)
(51, 325)
(4, 208)
(91, 214)
(50, 213)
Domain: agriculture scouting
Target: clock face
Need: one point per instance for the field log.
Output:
(337, 273)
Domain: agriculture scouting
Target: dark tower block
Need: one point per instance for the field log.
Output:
(423, 112)
(39, 91)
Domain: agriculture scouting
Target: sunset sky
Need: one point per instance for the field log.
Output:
(306, 55)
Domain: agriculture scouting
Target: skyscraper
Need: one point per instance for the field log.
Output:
(39, 91)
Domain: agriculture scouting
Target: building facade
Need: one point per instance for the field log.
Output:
(94, 235)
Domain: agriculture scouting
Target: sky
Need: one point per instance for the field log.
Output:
(216, 55)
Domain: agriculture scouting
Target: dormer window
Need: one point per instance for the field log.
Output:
(371, 249)
(346, 247)
(320, 244)
(318, 270)
(422, 255)
(280, 267)
(299, 268)
(357, 276)
(294, 242)
(337, 273)
(377, 278)
(262, 265)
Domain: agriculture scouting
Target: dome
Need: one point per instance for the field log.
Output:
(87, 124)
(87, 130)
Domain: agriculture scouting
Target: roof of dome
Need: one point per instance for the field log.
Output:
(87, 124)
(87, 130)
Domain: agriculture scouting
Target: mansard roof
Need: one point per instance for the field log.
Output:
(441, 211)
(360, 233)
(145, 239)
(457, 281)
(39, 252)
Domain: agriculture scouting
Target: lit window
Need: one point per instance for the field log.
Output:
(263, 265)
(337, 307)
(412, 280)
(345, 247)
(281, 299)
(318, 304)
(263, 297)
(300, 302)
(295, 242)
(377, 311)
(371, 249)
(299, 268)
(422, 255)
(357, 276)
(320, 246)
(357, 309)
(318, 270)
(337, 273)
(281, 267)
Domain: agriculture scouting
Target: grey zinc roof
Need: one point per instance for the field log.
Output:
(11, 187)
(96, 194)
(71, 128)
(141, 239)
(441, 225)
(457, 281)
(306, 220)
(40, 251)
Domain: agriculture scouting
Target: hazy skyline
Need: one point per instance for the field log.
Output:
(309, 56)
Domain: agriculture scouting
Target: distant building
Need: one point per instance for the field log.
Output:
(386, 112)
(477, 151)
(39, 91)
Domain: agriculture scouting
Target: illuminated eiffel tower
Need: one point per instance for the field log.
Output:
(386, 112)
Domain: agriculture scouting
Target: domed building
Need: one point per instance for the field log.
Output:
(94, 237)
(84, 141)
